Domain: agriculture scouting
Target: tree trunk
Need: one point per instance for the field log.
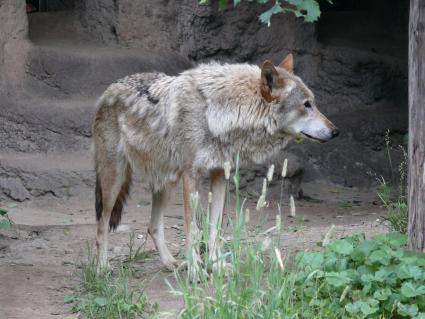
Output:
(416, 184)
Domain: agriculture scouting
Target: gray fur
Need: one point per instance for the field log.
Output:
(165, 126)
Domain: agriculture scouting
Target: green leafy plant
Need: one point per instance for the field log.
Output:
(392, 196)
(359, 278)
(135, 253)
(351, 277)
(103, 294)
(397, 216)
(5, 221)
(309, 10)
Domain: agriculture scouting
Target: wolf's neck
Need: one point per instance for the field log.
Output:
(234, 102)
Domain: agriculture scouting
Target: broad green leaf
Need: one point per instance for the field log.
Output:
(308, 9)
(382, 294)
(366, 278)
(394, 239)
(310, 260)
(407, 271)
(266, 16)
(353, 307)
(420, 315)
(341, 246)
(365, 270)
(363, 250)
(394, 299)
(379, 256)
(410, 290)
(382, 275)
(337, 279)
(407, 310)
(369, 306)
(367, 288)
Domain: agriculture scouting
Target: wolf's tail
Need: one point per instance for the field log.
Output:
(98, 198)
(120, 200)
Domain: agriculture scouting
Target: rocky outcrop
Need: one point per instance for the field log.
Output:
(55, 65)
(13, 44)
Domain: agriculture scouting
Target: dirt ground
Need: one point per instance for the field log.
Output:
(38, 261)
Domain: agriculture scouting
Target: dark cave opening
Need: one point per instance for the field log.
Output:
(375, 25)
(49, 5)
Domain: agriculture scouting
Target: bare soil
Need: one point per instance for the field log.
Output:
(39, 260)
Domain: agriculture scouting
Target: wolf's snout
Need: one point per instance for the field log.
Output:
(335, 132)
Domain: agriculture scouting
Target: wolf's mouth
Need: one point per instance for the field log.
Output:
(313, 138)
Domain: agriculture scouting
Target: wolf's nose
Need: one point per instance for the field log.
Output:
(335, 132)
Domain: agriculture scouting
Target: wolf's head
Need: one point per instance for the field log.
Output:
(293, 104)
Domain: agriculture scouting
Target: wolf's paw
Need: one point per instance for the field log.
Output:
(170, 263)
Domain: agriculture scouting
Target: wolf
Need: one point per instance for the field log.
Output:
(172, 128)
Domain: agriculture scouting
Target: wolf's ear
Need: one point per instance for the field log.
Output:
(269, 79)
(288, 63)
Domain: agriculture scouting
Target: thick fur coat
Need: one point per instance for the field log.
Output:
(168, 126)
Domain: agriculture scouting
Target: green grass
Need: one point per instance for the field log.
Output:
(107, 294)
(392, 196)
(395, 202)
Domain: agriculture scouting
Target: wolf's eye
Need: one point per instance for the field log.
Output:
(307, 104)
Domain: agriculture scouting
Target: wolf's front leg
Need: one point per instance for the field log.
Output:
(156, 228)
(218, 189)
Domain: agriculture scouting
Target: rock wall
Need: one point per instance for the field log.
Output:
(197, 31)
(354, 59)
(13, 44)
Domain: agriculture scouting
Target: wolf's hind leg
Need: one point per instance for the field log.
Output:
(112, 186)
(156, 227)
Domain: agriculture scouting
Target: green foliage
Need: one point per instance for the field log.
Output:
(102, 294)
(394, 198)
(352, 278)
(395, 203)
(359, 278)
(135, 254)
(5, 221)
(309, 10)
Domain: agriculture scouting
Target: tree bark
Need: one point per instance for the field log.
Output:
(416, 180)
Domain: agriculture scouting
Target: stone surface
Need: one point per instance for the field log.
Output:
(13, 188)
(56, 64)
(358, 72)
